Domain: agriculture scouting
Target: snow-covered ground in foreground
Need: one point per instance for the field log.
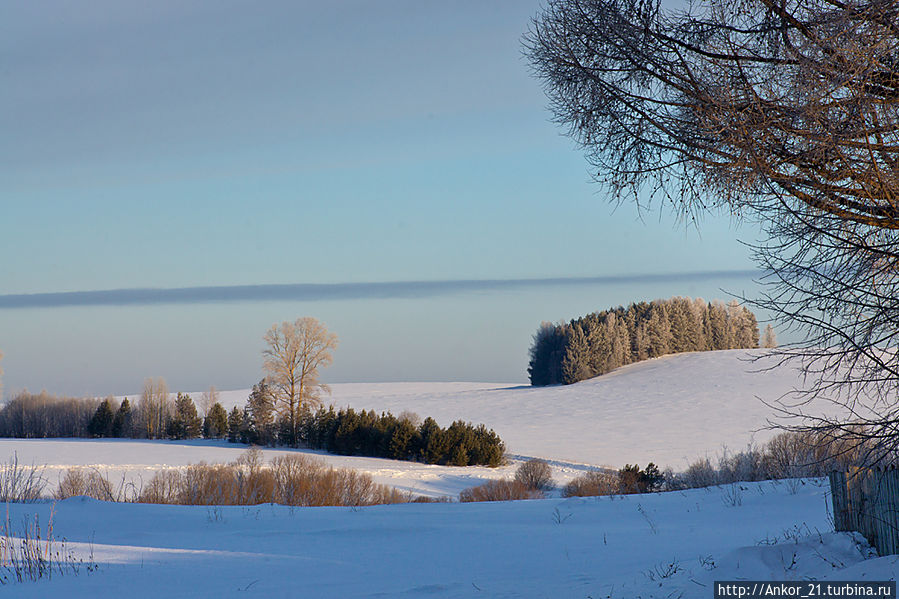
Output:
(660, 545)
(669, 410)
(136, 462)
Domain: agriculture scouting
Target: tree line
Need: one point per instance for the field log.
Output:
(602, 341)
(157, 415)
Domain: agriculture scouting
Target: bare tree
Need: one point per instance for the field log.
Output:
(154, 408)
(1, 376)
(208, 399)
(294, 353)
(783, 112)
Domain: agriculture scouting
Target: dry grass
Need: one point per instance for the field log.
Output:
(32, 554)
(20, 484)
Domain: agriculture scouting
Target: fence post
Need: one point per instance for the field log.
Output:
(839, 495)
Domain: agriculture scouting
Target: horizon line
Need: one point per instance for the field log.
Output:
(143, 296)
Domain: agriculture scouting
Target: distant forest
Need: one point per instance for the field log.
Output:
(600, 342)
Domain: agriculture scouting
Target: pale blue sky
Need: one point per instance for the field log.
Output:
(182, 144)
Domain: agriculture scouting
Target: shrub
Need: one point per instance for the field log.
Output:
(77, 481)
(594, 482)
(499, 490)
(535, 474)
(287, 480)
(700, 473)
(633, 480)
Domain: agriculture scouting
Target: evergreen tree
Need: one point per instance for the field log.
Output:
(184, 423)
(215, 425)
(574, 366)
(659, 329)
(402, 441)
(434, 443)
(546, 355)
(122, 422)
(235, 424)
(101, 423)
(260, 415)
(718, 325)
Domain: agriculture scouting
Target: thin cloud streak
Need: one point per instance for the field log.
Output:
(311, 292)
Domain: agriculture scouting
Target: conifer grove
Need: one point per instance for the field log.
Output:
(602, 341)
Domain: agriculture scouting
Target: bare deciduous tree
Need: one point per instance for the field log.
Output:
(294, 353)
(154, 407)
(208, 399)
(785, 112)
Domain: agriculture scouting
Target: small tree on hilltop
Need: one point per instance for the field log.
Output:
(294, 353)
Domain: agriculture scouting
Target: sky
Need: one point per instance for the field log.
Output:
(177, 176)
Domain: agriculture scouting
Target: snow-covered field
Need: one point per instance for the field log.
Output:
(670, 411)
(138, 461)
(660, 545)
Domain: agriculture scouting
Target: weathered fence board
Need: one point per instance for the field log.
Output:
(866, 500)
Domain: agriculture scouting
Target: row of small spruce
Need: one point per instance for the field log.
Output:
(366, 433)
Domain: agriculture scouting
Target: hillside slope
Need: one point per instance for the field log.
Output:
(669, 410)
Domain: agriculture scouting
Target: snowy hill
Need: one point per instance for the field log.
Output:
(669, 410)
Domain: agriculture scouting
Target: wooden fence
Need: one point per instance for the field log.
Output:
(866, 500)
